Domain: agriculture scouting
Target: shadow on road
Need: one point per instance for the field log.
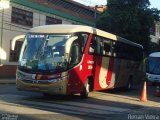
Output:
(62, 105)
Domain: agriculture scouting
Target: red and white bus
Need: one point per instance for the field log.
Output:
(70, 59)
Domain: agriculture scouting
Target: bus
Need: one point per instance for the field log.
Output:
(71, 59)
(153, 67)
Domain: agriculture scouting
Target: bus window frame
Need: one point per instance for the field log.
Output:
(83, 48)
(101, 46)
(125, 48)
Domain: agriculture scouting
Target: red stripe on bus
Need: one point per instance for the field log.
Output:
(98, 65)
(110, 71)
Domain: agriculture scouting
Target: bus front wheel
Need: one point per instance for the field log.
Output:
(85, 92)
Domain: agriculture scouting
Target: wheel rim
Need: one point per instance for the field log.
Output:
(85, 91)
(87, 87)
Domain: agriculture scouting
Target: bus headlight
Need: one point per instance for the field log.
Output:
(58, 79)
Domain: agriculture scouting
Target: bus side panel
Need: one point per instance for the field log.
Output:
(138, 73)
(79, 74)
(124, 72)
(129, 70)
(104, 73)
(75, 80)
(98, 62)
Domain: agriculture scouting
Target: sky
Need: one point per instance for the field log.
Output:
(154, 3)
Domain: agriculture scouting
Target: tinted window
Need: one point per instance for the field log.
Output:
(96, 45)
(107, 47)
(126, 51)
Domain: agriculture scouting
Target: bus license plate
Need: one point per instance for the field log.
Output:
(34, 88)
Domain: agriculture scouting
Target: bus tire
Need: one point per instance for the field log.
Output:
(85, 92)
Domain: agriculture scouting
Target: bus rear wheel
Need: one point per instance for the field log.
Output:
(85, 92)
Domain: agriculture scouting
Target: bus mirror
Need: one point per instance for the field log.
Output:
(69, 43)
(13, 41)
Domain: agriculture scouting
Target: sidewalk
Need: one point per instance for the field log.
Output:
(7, 80)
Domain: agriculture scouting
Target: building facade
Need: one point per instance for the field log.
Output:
(18, 16)
(155, 37)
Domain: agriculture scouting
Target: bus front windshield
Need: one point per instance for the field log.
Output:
(153, 65)
(43, 52)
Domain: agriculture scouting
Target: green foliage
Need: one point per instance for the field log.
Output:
(131, 19)
(154, 47)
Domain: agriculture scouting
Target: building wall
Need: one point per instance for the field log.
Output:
(8, 30)
(158, 30)
(156, 37)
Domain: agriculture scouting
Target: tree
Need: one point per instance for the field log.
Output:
(131, 19)
(154, 47)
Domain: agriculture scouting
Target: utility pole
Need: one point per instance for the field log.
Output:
(98, 9)
(2, 15)
(95, 15)
(4, 4)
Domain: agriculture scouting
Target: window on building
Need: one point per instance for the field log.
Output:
(14, 55)
(51, 20)
(22, 17)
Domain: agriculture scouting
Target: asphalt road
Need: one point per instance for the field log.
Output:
(101, 105)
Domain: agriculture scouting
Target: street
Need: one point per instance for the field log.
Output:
(105, 105)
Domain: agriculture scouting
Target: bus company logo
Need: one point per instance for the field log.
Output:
(90, 62)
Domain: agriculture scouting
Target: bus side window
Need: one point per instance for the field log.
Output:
(82, 40)
(107, 47)
(96, 45)
(99, 47)
(93, 45)
(117, 49)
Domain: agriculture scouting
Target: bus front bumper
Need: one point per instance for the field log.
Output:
(52, 88)
(153, 78)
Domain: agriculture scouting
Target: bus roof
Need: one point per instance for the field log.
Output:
(62, 28)
(155, 54)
